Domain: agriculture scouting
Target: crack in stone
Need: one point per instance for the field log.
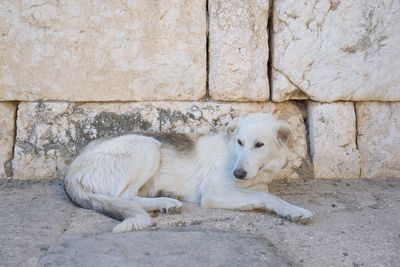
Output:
(63, 231)
(8, 166)
(299, 89)
(207, 51)
(307, 163)
(67, 223)
(270, 45)
(356, 137)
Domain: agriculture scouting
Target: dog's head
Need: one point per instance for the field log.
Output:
(259, 141)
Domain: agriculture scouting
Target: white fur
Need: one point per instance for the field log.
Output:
(121, 176)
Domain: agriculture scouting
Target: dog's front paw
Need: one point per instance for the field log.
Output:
(298, 215)
(170, 205)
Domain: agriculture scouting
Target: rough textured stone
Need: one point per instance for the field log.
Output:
(50, 134)
(336, 50)
(165, 248)
(35, 214)
(332, 130)
(238, 50)
(102, 50)
(379, 139)
(356, 224)
(7, 124)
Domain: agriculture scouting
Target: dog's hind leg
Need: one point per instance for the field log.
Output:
(102, 173)
(162, 204)
(133, 215)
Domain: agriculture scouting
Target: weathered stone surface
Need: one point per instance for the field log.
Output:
(238, 50)
(378, 126)
(165, 248)
(35, 214)
(332, 130)
(102, 50)
(40, 225)
(336, 50)
(7, 124)
(50, 134)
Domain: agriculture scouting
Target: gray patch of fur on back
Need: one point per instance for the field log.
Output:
(179, 141)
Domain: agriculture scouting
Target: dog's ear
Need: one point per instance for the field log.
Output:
(284, 134)
(231, 128)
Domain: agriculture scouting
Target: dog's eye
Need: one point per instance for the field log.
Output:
(240, 142)
(258, 144)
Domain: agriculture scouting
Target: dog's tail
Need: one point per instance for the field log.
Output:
(132, 215)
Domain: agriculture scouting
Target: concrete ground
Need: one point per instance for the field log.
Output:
(357, 223)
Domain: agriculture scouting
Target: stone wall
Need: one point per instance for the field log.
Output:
(73, 71)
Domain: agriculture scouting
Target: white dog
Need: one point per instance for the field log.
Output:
(122, 177)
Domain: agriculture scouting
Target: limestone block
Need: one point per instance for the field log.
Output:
(50, 134)
(332, 50)
(102, 50)
(379, 139)
(332, 130)
(7, 124)
(238, 50)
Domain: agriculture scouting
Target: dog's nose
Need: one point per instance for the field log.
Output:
(240, 173)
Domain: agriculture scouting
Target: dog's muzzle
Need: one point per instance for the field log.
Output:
(240, 173)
